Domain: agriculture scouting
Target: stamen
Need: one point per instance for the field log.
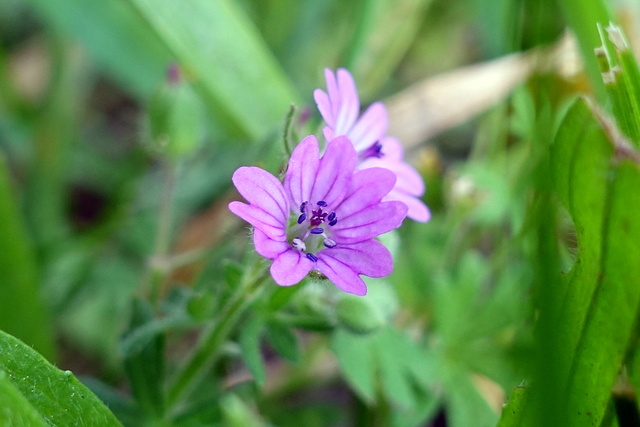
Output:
(312, 257)
(333, 219)
(330, 243)
(322, 203)
(301, 218)
(317, 230)
(298, 244)
(303, 207)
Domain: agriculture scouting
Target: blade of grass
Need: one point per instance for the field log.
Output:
(222, 51)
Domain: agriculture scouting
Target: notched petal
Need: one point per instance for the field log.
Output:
(260, 219)
(368, 187)
(343, 276)
(335, 171)
(290, 267)
(370, 222)
(262, 190)
(302, 170)
(268, 247)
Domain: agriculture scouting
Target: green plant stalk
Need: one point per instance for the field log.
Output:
(288, 131)
(214, 336)
(22, 312)
(159, 266)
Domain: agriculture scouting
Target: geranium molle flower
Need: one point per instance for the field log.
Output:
(340, 108)
(324, 217)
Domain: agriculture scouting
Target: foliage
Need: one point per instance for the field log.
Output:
(122, 122)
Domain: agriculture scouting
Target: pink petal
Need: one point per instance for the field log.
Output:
(348, 102)
(371, 127)
(341, 275)
(392, 149)
(266, 246)
(370, 257)
(324, 106)
(368, 187)
(302, 170)
(418, 211)
(333, 92)
(260, 219)
(290, 268)
(408, 179)
(370, 222)
(334, 172)
(328, 132)
(262, 190)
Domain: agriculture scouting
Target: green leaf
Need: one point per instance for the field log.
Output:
(359, 315)
(22, 311)
(388, 359)
(586, 337)
(512, 410)
(223, 52)
(145, 365)
(250, 338)
(15, 409)
(114, 37)
(283, 340)
(582, 16)
(357, 362)
(56, 395)
(385, 30)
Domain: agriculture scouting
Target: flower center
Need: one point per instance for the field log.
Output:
(374, 150)
(311, 230)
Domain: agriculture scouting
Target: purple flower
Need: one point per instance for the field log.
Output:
(340, 107)
(324, 218)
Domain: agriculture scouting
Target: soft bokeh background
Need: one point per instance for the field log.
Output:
(114, 184)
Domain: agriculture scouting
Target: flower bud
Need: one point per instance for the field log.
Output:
(174, 116)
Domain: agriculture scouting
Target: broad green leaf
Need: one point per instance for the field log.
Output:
(15, 409)
(597, 179)
(222, 51)
(22, 311)
(56, 395)
(512, 410)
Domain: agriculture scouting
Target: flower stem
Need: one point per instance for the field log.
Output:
(158, 270)
(214, 336)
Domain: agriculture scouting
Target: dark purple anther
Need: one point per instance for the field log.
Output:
(322, 203)
(301, 218)
(303, 206)
(332, 218)
(312, 257)
(317, 230)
